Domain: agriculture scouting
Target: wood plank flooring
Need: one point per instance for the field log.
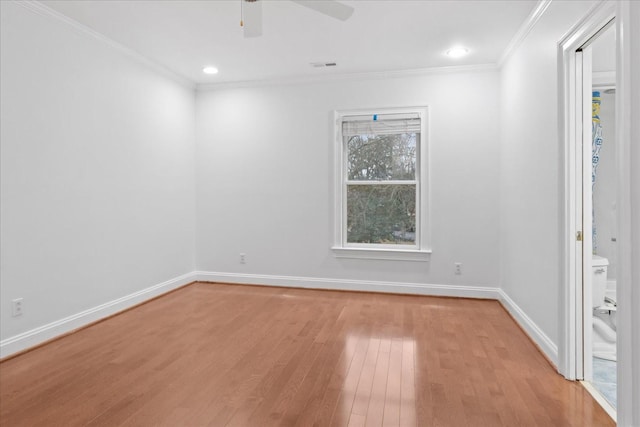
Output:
(229, 355)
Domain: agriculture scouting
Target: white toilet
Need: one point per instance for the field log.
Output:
(599, 283)
(604, 327)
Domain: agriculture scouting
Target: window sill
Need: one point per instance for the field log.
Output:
(422, 255)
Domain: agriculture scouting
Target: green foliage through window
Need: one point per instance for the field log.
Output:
(381, 188)
(381, 157)
(381, 214)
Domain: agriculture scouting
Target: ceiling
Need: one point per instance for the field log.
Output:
(381, 35)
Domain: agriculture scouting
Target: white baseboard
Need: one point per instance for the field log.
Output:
(544, 343)
(46, 332)
(351, 285)
(608, 408)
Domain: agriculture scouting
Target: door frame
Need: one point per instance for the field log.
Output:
(627, 15)
(575, 264)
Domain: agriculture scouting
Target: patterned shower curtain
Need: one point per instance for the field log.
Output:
(596, 144)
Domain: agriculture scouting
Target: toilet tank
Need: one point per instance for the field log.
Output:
(599, 282)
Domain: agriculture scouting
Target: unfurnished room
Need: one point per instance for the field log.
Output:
(320, 213)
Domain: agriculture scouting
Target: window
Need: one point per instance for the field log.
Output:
(381, 184)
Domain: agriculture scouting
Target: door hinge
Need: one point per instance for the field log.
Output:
(579, 236)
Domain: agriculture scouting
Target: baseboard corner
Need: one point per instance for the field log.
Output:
(547, 347)
(31, 339)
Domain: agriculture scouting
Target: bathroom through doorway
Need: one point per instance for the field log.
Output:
(590, 210)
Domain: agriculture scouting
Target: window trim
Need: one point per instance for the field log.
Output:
(422, 249)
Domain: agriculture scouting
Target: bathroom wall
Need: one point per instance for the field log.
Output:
(604, 193)
(97, 174)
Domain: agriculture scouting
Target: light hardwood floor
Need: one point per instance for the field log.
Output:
(229, 355)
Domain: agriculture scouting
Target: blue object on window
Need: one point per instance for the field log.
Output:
(375, 117)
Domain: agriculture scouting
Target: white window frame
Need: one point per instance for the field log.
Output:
(421, 251)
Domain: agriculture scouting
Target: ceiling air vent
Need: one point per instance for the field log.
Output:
(323, 64)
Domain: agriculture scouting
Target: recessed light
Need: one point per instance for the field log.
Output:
(210, 70)
(457, 52)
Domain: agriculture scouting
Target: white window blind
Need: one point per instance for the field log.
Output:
(380, 124)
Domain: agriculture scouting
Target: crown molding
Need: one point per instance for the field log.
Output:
(374, 75)
(43, 10)
(524, 30)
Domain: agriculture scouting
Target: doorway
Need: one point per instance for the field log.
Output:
(590, 190)
(601, 299)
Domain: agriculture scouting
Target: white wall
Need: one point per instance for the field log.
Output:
(628, 27)
(264, 184)
(529, 169)
(97, 172)
(632, 330)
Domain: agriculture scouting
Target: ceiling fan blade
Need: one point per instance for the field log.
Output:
(252, 17)
(330, 8)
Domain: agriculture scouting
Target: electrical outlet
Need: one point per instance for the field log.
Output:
(16, 307)
(458, 268)
(243, 259)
